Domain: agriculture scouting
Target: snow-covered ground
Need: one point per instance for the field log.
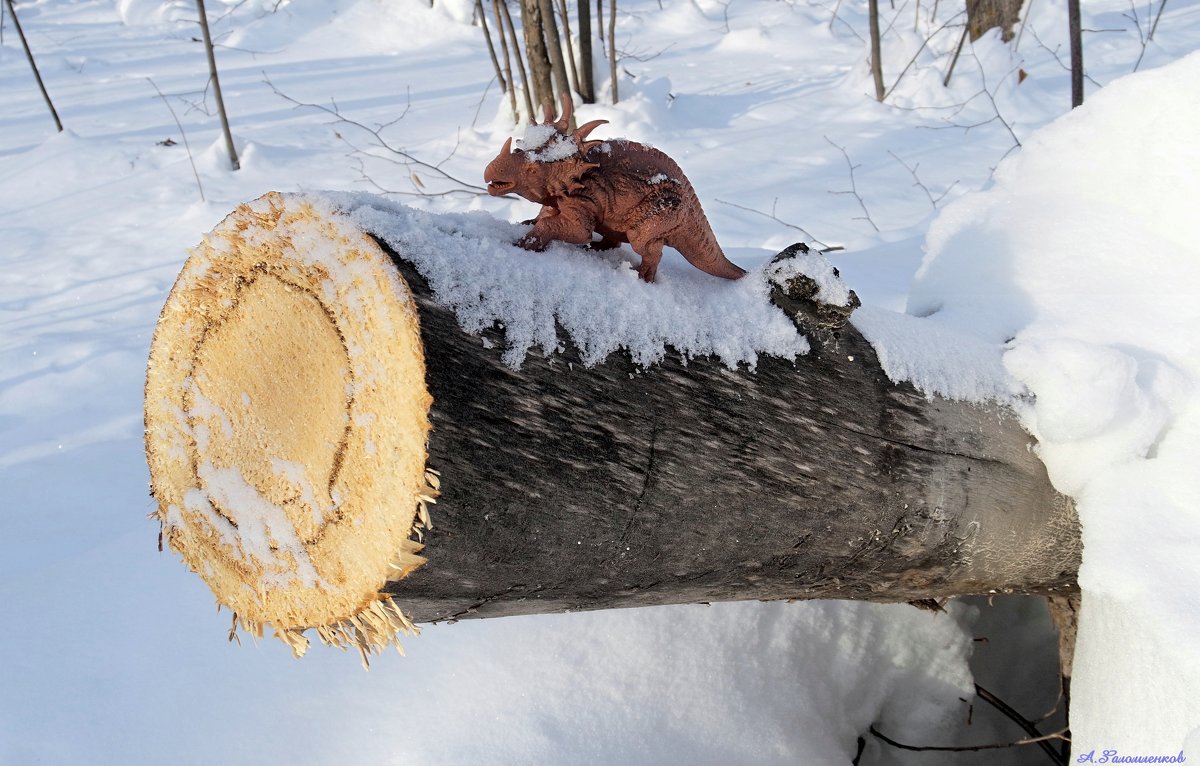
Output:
(1060, 279)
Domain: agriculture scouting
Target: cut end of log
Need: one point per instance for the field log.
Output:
(287, 455)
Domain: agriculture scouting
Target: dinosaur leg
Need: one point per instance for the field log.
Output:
(651, 253)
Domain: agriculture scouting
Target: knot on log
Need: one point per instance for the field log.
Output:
(807, 287)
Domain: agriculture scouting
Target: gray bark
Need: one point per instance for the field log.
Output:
(569, 488)
(535, 52)
(587, 84)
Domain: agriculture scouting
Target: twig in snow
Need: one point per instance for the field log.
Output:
(866, 216)
(1143, 39)
(1020, 720)
(895, 17)
(924, 45)
(1057, 735)
(725, 12)
(954, 59)
(920, 184)
(182, 133)
(1024, 18)
(1157, 16)
(479, 106)
(824, 248)
(835, 17)
(642, 57)
(1054, 52)
(997, 116)
(397, 156)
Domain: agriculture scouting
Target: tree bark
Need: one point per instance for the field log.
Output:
(558, 67)
(1074, 27)
(983, 15)
(535, 52)
(216, 83)
(572, 68)
(481, 14)
(587, 83)
(568, 488)
(612, 47)
(501, 8)
(876, 48)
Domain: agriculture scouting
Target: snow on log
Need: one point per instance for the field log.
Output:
(598, 442)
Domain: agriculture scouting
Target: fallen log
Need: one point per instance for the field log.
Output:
(569, 487)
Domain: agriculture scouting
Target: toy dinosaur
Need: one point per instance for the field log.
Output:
(622, 190)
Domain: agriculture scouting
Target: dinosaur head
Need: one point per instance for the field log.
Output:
(548, 161)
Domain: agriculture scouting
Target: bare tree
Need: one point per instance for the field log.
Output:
(612, 46)
(512, 86)
(572, 69)
(535, 51)
(876, 55)
(1076, 33)
(501, 9)
(587, 84)
(212, 72)
(481, 14)
(36, 74)
(558, 67)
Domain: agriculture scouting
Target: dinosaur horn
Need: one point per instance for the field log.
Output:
(583, 130)
(507, 147)
(564, 122)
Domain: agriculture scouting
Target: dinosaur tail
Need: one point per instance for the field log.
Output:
(699, 245)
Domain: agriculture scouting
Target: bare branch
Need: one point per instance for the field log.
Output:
(866, 216)
(824, 247)
(924, 45)
(1058, 735)
(918, 183)
(392, 154)
(183, 134)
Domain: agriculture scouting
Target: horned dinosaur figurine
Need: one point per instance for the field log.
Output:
(622, 190)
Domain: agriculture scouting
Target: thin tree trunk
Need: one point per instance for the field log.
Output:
(1157, 16)
(600, 20)
(954, 59)
(487, 35)
(212, 71)
(501, 8)
(33, 64)
(612, 46)
(1075, 26)
(535, 50)
(572, 69)
(876, 53)
(512, 86)
(558, 66)
(587, 83)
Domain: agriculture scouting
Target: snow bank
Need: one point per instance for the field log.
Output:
(1083, 259)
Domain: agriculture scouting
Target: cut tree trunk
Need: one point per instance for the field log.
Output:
(568, 488)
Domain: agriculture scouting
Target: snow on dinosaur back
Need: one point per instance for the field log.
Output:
(622, 190)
